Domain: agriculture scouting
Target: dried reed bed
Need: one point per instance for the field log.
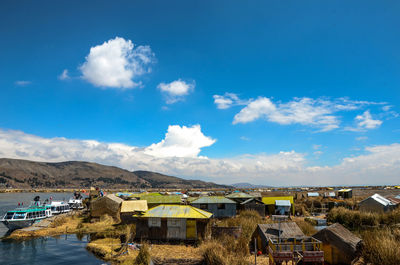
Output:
(226, 250)
(305, 226)
(105, 248)
(65, 224)
(248, 220)
(381, 246)
(356, 220)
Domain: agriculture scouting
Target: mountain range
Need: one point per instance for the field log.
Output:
(17, 173)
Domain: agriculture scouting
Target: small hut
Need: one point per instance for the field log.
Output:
(239, 196)
(109, 204)
(131, 207)
(272, 207)
(172, 222)
(285, 242)
(345, 193)
(253, 204)
(312, 194)
(340, 246)
(376, 204)
(219, 206)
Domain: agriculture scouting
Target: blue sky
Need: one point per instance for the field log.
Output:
(310, 86)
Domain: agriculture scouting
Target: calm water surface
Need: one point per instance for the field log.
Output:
(44, 251)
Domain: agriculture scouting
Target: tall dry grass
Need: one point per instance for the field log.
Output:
(226, 250)
(247, 220)
(307, 228)
(143, 258)
(381, 246)
(355, 220)
(216, 253)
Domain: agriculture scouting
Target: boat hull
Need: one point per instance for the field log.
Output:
(17, 224)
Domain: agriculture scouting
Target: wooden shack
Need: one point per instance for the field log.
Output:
(253, 204)
(219, 206)
(376, 204)
(172, 222)
(340, 246)
(285, 242)
(272, 207)
(345, 193)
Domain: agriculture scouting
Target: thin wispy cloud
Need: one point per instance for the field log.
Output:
(321, 113)
(64, 75)
(22, 83)
(117, 63)
(228, 100)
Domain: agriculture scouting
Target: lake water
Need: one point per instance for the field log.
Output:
(66, 249)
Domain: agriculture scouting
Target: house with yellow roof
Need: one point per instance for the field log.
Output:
(172, 222)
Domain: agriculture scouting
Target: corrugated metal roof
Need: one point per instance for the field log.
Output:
(176, 211)
(239, 195)
(313, 194)
(271, 200)
(344, 190)
(286, 229)
(213, 199)
(133, 206)
(282, 203)
(161, 199)
(381, 199)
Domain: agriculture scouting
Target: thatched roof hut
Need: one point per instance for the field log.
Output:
(339, 244)
(109, 204)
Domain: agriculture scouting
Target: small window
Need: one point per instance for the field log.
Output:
(221, 206)
(203, 206)
(154, 222)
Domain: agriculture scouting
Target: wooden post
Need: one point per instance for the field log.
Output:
(255, 251)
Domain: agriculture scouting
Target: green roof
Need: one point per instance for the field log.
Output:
(239, 195)
(176, 211)
(172, 199)
(213, 199)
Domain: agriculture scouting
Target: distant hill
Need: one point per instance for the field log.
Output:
(160, 180)
(76, 174)
(245, 185)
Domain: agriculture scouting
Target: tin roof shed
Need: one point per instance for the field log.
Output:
(176, 211)
(271, 200)
(213, 199)
(283, 203)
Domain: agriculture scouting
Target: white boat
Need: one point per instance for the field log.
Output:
(24, 217)
(59, 207)
(75, 204)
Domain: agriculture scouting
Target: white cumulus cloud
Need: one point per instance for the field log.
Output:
(176, 90)
(117, 63)
(305, 111)
(320, 113)
(178, 154)
(180, 141)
